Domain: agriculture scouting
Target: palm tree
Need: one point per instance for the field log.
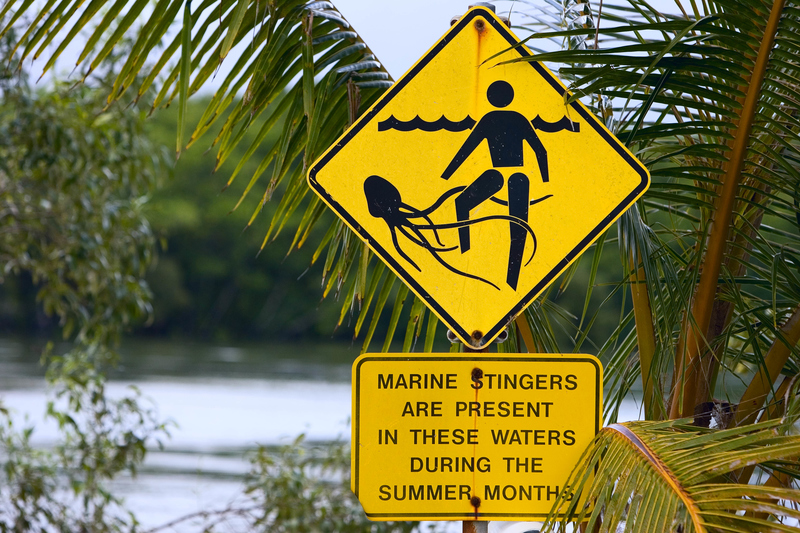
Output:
(708, 99)
(708, 256)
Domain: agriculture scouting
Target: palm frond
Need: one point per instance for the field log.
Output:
(672, 476)
(276, 44)
(682, 89)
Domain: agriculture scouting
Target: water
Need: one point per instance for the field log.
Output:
(224, 400)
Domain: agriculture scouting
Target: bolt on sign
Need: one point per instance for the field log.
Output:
(475, 181)
(478, 437)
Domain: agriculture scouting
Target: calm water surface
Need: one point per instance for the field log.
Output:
(224, 400)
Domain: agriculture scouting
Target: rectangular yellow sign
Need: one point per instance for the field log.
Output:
(470, 436)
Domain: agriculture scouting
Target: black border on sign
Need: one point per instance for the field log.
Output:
(413, 358)
(392, 92)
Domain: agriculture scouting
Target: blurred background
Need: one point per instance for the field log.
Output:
(240, 349)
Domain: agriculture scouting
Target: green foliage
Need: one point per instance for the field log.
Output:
(64, 488)
(304, 489)
(296, 488)
(209, 280)
(74, 177)
(712, 242)
(686, 474)
(707, 99)
(257, 96)
(73, 182)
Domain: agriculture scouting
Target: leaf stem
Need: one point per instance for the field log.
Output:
(756, 394)
(696, 325)
(645, 336)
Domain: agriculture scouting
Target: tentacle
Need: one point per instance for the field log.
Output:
(509, 218)
(535, 201)
(435, 231)
(428, 220)
(413, 212)
(435, 254)
(535, 244)
(420, 240)
(400, 250)
(460, 273)
(438, 203)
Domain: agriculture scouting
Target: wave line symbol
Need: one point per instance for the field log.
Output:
(417, 123)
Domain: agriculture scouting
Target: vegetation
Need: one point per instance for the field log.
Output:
(73, 181)
(298, 488)
(713, 296)
(209, 281)
(707, 99)
(205, 283)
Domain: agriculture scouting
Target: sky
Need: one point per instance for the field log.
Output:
(400, 32)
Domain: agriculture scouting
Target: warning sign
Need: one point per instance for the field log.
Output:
(475, 181)
(478, 437)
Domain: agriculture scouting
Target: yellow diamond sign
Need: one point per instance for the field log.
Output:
(475, 181)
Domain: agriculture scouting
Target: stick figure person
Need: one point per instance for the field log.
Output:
(505, 132)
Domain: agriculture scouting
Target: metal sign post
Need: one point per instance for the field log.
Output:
(475, 526)
(471, 526)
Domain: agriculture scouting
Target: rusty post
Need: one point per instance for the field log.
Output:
(471, 526)
(475, 526)
(487, 5)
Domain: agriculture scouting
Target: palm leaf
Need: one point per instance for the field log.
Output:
(671, 476)
(694, 71)
(275, 42)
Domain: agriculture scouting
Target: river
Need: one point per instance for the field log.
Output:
(224, 401)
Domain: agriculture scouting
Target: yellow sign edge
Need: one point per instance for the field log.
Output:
(446, 356)
(576, 252)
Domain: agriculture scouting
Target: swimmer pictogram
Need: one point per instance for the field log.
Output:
(506, 133)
